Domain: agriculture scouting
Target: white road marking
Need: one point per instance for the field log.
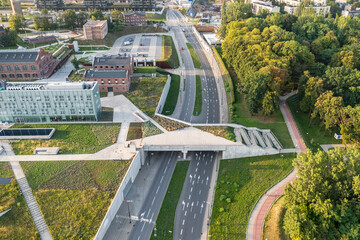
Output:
(183, 222)
(153, 201)
(143, 227)
(162, 178)
(185, 213)
(181, 231)
(189, 196)
(199, 192)
(191, 189)
(194, 215)
(192, 229)
(157, 189)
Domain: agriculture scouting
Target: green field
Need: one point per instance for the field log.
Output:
(198, 99)
(172, 97)
(221, 131)
(145, 70)
(240, 183)
(70, 138)
(142, 130)
(76, 77)
(156, 17)
(93, 48)
(169, 53)
(134, 132)
(74, 196)
(5, 171)
(145, 93)
(194, 56)
(312, 135)
(165, 220)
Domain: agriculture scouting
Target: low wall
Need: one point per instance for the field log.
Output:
(242, 151)
(28, 136)
(130, 176)
(163, 97)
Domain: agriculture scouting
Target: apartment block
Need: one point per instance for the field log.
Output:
(109, 80)
(49, 4)
(26, 64)
(135, 18)
(16, 7)
(95, 29)
(258, 6)
(47, 102)
(95, 3)
(143, 4)
(319, 10)
(114, 62)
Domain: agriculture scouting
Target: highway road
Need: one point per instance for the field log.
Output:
(151, 207)
(210, 106)
(190, 210)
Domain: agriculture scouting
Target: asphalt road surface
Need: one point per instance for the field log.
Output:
(190, 210)
(151, 207)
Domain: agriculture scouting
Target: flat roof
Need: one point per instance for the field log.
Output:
(95, 23)
(121, 73)
(15, 56)
(40, 86)
(112, 60)
(130, 13)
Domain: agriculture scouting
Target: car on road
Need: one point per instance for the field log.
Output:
(182, 48)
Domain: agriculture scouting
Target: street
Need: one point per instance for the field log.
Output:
(190, 210)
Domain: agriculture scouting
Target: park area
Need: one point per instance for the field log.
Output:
(142, 130)
(70, 138)
(241, 182)
(74, 196)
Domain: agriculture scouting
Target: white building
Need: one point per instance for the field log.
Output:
(319, 10)
(298, 2)
(257, 6)
(47, 102)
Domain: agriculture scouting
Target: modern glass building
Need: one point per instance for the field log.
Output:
(47, 102)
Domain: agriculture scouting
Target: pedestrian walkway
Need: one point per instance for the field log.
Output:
(29, 197)
(258, 214)
(123, 132)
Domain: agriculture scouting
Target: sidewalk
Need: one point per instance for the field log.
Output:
(258, 214)
(29, 197)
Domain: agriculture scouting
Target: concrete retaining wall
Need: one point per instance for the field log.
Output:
(243, 151)
(163, 97)
(29, 136)
(131, 174)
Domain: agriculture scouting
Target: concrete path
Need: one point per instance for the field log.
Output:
(327, 147)
(258, 214)
(29, 197)
(123, 132)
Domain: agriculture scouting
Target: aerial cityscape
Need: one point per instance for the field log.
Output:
(180, 119)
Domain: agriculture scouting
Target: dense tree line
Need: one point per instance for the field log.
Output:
(273, 54)
(323, 202)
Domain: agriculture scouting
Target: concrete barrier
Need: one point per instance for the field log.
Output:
(129, 178)
(163, 97)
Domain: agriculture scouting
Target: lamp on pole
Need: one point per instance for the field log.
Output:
(129, 201)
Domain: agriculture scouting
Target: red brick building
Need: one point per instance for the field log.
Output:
(109, 80)
(95, 29)
(26, 64)
(114, 62)
(135, 18)
(43, 39)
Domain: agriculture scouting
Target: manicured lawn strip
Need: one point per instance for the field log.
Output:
(169, 52)
(222, 131)
(172, 96)
(134, 131)
(149, 129)
(169, 124)
(74, 197)
(17, 223)
(145, 70)
(273, 226)
(194, 56)
(198, 99)
(83, 49)
(312, 135)
(243, 181)
(103, 94)
(145, 93)
(165, 220)
(5, 170)
(156, 17)
(275, 122)
(70, 138)
(111, 37)
(76, 77)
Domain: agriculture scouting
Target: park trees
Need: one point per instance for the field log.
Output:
(17, 21)
(70, 18)
(323, 201)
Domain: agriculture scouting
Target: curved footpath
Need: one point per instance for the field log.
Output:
(258, 214)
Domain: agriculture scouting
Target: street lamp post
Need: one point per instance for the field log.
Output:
(129, 201)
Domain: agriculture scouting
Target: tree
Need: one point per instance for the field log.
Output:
(222, 30)
(314, 88)
(97, 15)
(323, 201)
(117, 16)
(16, 22)
(350, 125)
(270, 103)
(327, 108)
(41, 23)
(81, 18)
(70, 18)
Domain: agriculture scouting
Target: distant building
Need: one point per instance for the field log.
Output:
(191, 12)
(109, 80)
(2, 30)
(16, 7)
(114, 62)
(351, 13)
(49, 4)
(298, 2)
(42, 39)
(135, 18)
(319, 10)
(258, 6)
(143, 4)
(95, 29)
(26, 64)
(95, 3)
(47, 102)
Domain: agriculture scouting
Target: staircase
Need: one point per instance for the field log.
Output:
(256, 137)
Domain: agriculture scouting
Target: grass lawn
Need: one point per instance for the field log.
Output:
(156, 17)
(168, 124)
(194, 56)
(103, 94)
(145, 92)
(142, 130)
(134, 131)
(222, 131)
(145, 70)
(198, 99)
(5, 171)
(172, 96)
(275, 122)
(240, 183)
(17, 223)
(74, 196)
(273, 226)
(92, 48)
(169, 53)
(111, 37)
(85, 60)
(165, 220)
(70, 138)
(53, 48)
(76, 77)
(312, 135)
